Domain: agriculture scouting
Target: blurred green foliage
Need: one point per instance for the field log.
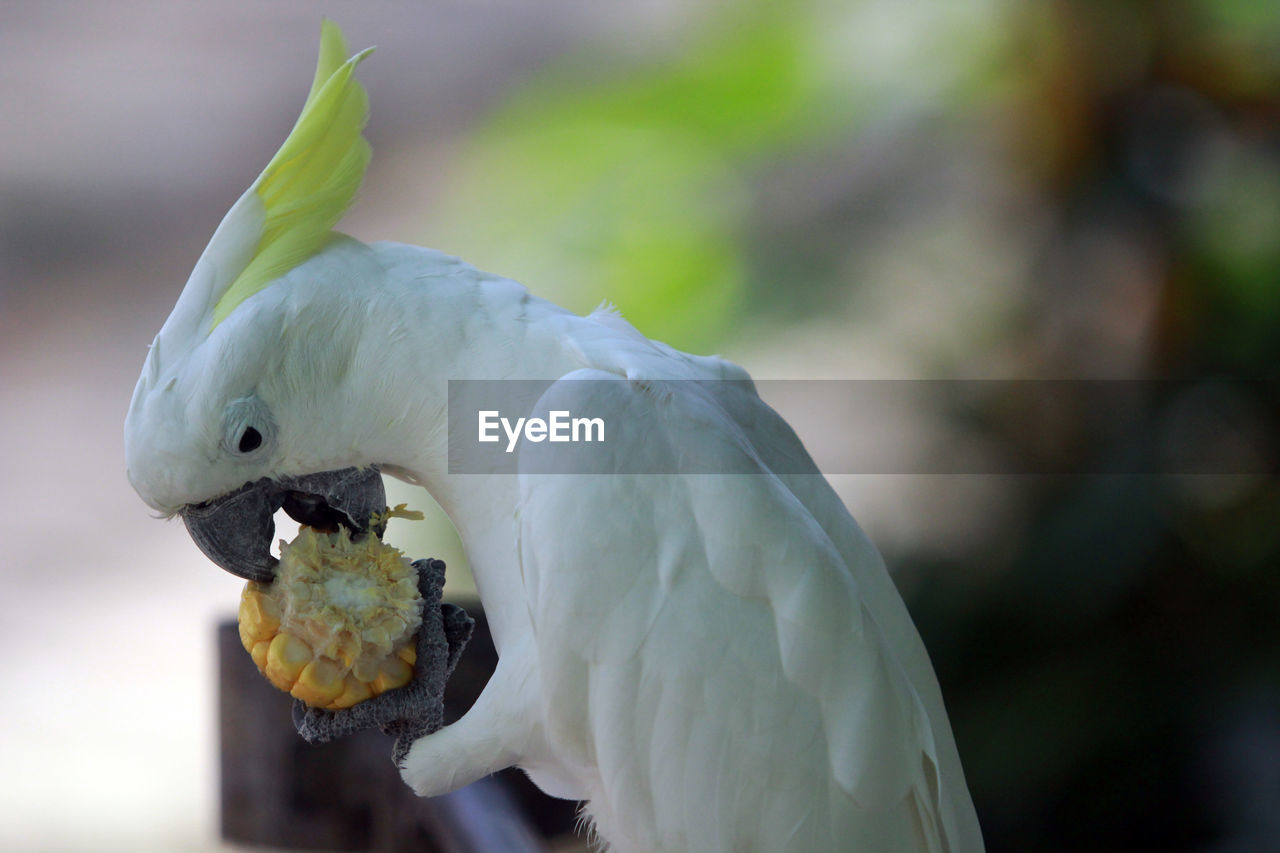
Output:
(632, 182)
(1236, 254)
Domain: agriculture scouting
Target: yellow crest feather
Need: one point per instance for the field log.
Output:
(312, 179)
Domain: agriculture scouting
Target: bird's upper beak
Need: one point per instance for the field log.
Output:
(235, 530)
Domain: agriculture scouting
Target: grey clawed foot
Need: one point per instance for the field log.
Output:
(417, 708)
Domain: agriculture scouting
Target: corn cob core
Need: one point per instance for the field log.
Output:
(337, 624)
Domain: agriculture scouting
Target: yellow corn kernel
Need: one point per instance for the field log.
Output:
(394, 673)
(286, 656)
(319, 683)
(259, 653)
(353, 690)
(260, 616)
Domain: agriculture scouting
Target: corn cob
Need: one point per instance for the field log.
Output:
(337, 625)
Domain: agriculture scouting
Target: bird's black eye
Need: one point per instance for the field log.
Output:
(250, 440)
(248, 428)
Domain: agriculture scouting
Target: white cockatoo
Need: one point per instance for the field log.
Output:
(713, 661)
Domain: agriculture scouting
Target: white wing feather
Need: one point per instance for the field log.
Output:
(710, 660)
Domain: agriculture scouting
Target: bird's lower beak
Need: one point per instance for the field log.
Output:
(235, 530)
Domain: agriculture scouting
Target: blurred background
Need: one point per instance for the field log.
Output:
(945, 189)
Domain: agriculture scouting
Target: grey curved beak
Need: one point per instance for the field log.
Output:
(235, 530)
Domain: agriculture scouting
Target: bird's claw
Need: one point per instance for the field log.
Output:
(417, 708)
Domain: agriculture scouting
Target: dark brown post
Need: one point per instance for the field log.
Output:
(279, 791)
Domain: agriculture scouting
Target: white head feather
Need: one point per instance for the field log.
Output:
(201, 387)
